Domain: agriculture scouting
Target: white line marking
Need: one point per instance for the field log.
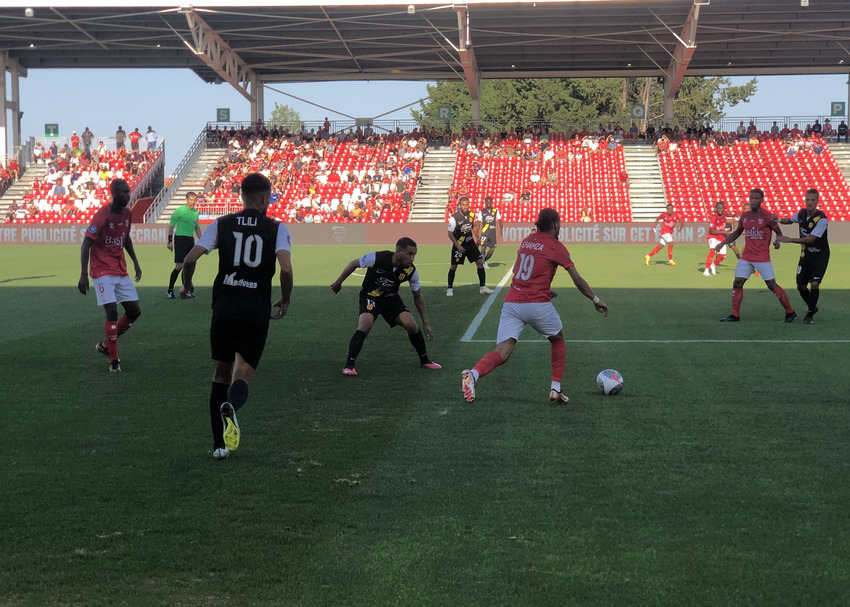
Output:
(479, 318)
(677, 341)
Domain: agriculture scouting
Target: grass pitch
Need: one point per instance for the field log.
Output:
(718, 477)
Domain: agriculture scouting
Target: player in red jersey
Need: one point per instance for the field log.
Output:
(528, 302)
(669, 220)
(106, 238)
(717, 222)
(756, 225)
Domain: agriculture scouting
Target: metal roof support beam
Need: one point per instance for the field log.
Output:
(258, 109)
(217, 54)
(471, 73)
(15, 103)
(681, 58)
(4, 61)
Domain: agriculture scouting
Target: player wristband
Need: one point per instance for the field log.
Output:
(596, 299)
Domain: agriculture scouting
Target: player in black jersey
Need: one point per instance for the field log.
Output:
(814, 256)
(489, 219)
(249, 246)
(463, 228)
(386, 271)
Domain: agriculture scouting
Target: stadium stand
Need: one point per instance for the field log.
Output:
(525, 175)
(73, 188)
(697, 177)
(321, 180)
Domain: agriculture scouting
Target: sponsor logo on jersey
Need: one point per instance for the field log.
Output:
(111, 241)
(231, 281)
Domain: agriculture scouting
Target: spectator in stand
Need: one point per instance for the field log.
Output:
(842, 132)
(816, 128)
(120, 135)
(741, 131)
(86, 138)
(38, 153)
(774, 130)
(151, 138)
(135, 136)
(75, 142)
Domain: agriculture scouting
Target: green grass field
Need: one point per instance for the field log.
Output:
(718, 477)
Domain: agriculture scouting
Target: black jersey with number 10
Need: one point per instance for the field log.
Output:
(246, 265)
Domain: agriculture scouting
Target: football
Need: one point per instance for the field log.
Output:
(609, 381)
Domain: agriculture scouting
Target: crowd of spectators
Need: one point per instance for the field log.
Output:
(355, 176)
(76, 179)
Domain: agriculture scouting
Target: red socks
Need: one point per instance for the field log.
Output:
(559, 359)
(488, 362)
(719, 259)
(111, 330)
(123, 324)
(710, 257)
(737, 297)
(655, 250)
(670, 251)
(782, 296)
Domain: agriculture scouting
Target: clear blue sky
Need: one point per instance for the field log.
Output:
(178, 104)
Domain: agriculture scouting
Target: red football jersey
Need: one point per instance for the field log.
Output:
(109, 232)
(757, 229)
(717, 222)
(537, 260)
(668, 221)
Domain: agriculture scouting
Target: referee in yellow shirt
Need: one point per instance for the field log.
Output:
(182, 229)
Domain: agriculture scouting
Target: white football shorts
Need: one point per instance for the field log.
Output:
(114, 289)
(665, 239)
(541, 316)
(713, 242)
(745, 269)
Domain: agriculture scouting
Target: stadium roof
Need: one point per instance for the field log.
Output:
(312, 41)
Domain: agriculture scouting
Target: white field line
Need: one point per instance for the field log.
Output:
(479, 318)
(485, 308)
(674, 341)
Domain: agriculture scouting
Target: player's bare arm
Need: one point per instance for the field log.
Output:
(584, 289)
(732, 237)
(778, 241)
(419, 302)
(284, 260)
(83, 284)
(457, 245)
(170, 243)
(349, 269)
(189, 268)
(131, 251)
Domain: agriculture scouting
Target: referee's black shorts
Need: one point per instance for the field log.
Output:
(231, 335)
(182, 246)
(390, 307)
(812, 268)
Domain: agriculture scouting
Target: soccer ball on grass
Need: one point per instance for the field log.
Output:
(609, 381)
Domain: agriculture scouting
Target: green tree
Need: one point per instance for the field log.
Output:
(579, 103)
(286, 117)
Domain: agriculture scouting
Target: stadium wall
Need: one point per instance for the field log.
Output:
(388, 233)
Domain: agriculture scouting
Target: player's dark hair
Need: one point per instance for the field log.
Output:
(758, 191)
(488, 200)
(546, 219)
(813, 191)
(404, 242)
(255, 183)
(114, 185)
(190, 194)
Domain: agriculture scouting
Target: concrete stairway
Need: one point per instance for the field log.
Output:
(841, 153)
(646, 189)
(193, 182)
(429, 203)
(23, 185)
